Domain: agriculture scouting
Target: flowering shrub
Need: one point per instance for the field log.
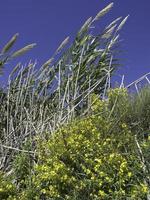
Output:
(92, 158)
(82, 162)
(7, 188)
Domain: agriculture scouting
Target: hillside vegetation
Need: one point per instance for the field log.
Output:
(65, 133)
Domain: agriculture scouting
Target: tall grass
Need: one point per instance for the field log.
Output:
(37, 100)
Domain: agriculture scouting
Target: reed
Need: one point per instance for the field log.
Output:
(39, 99)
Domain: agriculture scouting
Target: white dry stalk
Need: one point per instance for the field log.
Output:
(147, 79)
(18, 92)
(122, 82)
(16, 149)
(138, 80)
(136, 87)
(28, 79)
(89, 98)
(59, 83)
(77, 76)
(8, 106)
(108, 81)
(86, 95)
(145, 170)
(114, 105)
(63, 100)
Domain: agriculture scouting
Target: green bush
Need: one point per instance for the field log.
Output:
(7, 188)
(141, 109)
(90, 158)
(81, 162)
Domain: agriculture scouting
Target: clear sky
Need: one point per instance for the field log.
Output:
(48, 22)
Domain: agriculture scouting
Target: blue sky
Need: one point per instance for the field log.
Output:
(48, 22)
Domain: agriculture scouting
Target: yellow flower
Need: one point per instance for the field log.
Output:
(101, 193)
(129, 174)
(124, 125)
(88, 171)
(112, 156)
(102, 174)
(43, 191)
(1, 190)
(98, 160)
(144, 188)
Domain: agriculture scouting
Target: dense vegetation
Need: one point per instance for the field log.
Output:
(64, 133)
